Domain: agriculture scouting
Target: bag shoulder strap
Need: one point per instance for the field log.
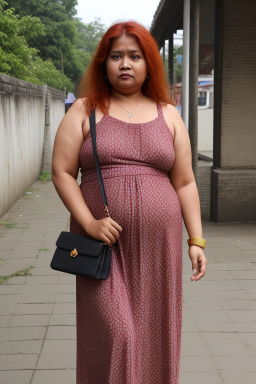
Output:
(93, 134)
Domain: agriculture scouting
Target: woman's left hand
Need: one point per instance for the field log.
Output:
(199, 262)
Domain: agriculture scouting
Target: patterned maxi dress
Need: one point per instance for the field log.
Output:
(129, 326)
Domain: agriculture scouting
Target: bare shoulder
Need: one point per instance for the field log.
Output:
(78, 106)
(173, 118)
(170, 112)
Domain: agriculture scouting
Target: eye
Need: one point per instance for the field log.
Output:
(135, 57)
(116, 57)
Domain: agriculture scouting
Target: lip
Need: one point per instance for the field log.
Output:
(125, 76)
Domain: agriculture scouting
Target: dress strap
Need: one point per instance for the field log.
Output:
(160, 111)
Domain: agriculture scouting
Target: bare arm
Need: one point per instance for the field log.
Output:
(182, 177)
(65, 167)
(65, 164)
(183, 180)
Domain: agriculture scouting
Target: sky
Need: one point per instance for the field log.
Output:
(110, 11)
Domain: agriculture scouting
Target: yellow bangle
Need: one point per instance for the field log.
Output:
(197, 241)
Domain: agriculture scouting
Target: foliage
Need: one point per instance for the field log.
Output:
(21, 272)
(20, 60)
(7, 224)
(177, 66)
(67, 42)
(88, 35)
(45, 176)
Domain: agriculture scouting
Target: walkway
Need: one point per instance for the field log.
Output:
(37, 312)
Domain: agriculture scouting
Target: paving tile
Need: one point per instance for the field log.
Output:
(18, 361)
(33, 309)
(194, 349)
(65, 298)
(235, 363)
(42, 280)
(62, 346)
(63, 319)
(37, 298)
(202, 305)
(67, 279)
(238, 304)
(200, 378)
(189, 326)
(29, 320)
(5, 321)
(64, 308)
(17, 280)
(195, 364)
(230, 350)
(191, 338)
(221, 337)
(57, 361)
(242, 315)
(244, 275)
(7, 308)
(205, 315)
(22, 333)
(227, 326)
(60, 332)
(62, 376)
(16, 377)
(24, 346)
(238, 377)
(245, 266)
(9, 289)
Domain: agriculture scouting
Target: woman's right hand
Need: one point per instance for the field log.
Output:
(107, 230)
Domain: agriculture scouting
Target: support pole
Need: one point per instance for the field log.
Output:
(193, 82)
(185, 64)
(170, 60)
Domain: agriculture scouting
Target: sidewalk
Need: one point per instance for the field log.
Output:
(37, 312)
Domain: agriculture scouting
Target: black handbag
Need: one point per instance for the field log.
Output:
(84, 255)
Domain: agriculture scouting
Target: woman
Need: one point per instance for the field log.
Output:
(129, 326)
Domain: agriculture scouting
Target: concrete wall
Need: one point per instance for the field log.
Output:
(205, 129)
(204, 188)
(234, 160)
(25, 134)
(54, 111)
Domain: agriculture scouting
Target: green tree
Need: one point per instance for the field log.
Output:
(67, 41)
(17, 58)
(177, 50)
(70, 6)
(89, 35)
(57, 43)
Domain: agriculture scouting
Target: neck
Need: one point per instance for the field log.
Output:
(128, 99)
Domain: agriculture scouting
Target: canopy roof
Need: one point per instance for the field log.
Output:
(167, 19)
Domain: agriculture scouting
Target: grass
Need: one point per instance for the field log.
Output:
(43, 249)
(8, 224)
(21, 272)
(45, 176)
(29, 193)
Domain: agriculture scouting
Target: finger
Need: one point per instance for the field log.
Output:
(199, 276)
(111, 237)
(114, 232)
(201, 272)
(106, 240)
(116, 225)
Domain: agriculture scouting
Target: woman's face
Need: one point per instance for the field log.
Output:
(126, 66)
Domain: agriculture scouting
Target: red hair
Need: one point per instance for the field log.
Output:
(97, 90)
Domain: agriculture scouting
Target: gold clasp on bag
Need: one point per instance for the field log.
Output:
(74, 253)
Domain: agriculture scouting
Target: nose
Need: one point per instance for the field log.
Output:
(124, 64)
